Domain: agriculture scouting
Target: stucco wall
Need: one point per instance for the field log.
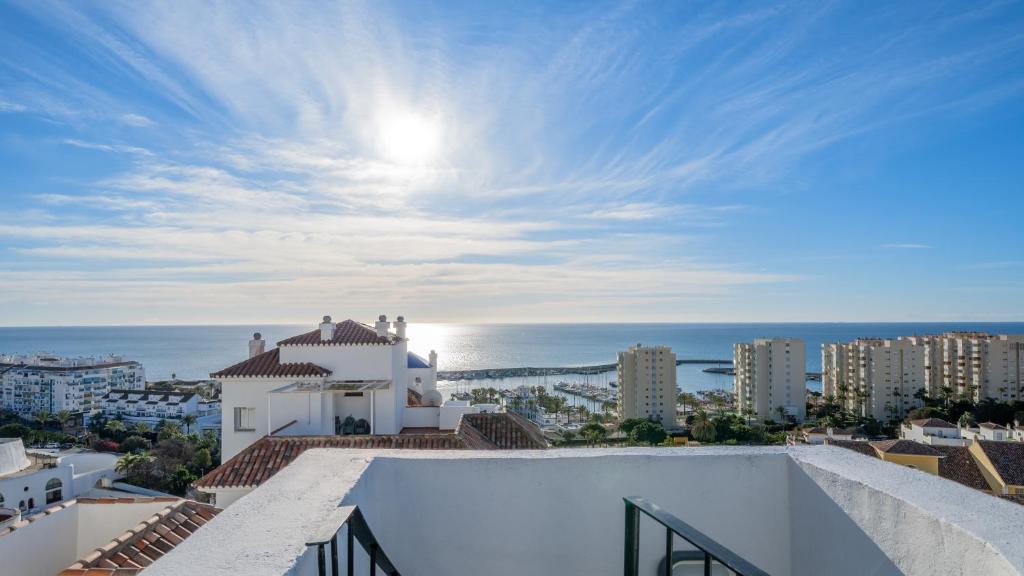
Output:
(509, 516)
(43, 548)
(422, 416)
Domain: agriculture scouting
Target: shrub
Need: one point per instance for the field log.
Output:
(648, 432)
(135, 444)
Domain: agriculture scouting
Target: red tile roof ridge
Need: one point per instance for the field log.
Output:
(346, 333)
(268, 365)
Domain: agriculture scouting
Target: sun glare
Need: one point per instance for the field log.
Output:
(409, 138)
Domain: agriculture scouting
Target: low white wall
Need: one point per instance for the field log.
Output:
(550, 515)
(422, 417)
(43, 548)
(98, 524)
(12, 455)
(859, 515)
(451, 414)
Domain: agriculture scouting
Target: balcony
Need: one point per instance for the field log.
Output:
(796, 510)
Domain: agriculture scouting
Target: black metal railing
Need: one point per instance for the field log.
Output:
(358, 529)
(708, 550)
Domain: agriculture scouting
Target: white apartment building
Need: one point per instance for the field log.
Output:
(647, 384)
(878, 378)
(771, 374)
(342, 378)
(44, 382)
(151, 406)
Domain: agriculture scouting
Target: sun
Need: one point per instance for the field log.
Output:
(409, 138)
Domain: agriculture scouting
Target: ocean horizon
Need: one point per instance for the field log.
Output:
(192, 352)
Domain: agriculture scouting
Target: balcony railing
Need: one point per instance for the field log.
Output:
(709, 551)
(359, 530)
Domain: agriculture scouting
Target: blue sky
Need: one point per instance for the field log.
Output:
(177, 162)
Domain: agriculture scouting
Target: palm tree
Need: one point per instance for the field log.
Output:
(142, 429)
(703, 428)
(130, 464)
(188, 420)
(42, 417)
(115, 427)
(64, 416)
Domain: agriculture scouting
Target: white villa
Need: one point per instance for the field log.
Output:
(342, 378)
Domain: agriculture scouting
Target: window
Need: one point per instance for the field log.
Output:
(1, 500)
(53, 491)
(245, 419)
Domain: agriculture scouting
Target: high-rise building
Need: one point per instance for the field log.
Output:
(46, 383)
(647, 384)
(771, 378)
(883, 378)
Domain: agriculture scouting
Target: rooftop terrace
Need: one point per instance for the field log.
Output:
(793, 510)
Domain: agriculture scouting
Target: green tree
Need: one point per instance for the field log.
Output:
(966, 420)
(42, 417)
(134, 466)
(64, 416)
(188, 420)
(180, 479)
(702, 428)
(116, 428)
(648, 432)
(143, 429)
(627, 425)
(593, 432)
(135, 444)
(202, 460)
(169, 430)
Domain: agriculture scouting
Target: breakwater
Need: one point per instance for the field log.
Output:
(728, 371)
(491, 373)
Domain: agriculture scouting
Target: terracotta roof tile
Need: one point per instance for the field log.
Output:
(992, 426)
(502, 431)
(901, 446)
(932, 423)
(347, 333)
(1007, 458)
(268, 455)
(129, 553)
(862, 447)
(958, 465)
(268, 365)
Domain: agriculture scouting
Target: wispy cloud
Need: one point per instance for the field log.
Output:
(583, 159)
(906, 246)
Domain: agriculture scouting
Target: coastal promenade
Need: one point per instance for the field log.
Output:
(490, 373)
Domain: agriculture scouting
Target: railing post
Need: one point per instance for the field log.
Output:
(668, 551)
(373, 559)
(334, 555)
(320, 560)
(632, 548)
(707, 564)
(351, 550)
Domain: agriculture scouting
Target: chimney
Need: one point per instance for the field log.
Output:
(400, 326)
(256, 346)
(326, 330)
(433, 358)
(382, 325)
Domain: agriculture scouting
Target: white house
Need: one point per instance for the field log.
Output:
(150, 406)
(993, 431)
(934, 431)
(30, 481)
(342, 378)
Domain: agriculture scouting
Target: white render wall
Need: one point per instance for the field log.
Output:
(54, 542)
(798, 510)
(248, 393)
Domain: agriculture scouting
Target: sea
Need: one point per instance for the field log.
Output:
(193, 352)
